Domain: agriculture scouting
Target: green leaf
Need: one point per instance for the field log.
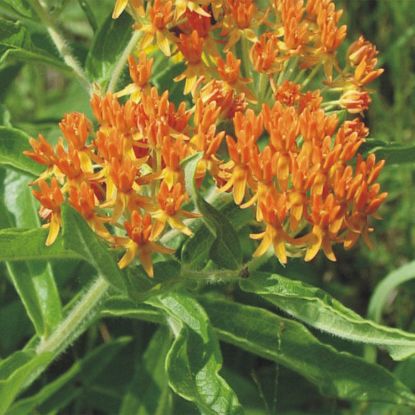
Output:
(33, 240)
(77, 242)
(14, 373)
(225, 250)
(61, 391)
(393, 153)
(387, 287)
(107, 46)
(116, 307)
(18, 43)
(149, 392)
(318, 309)
(4, 113)
(12, 144)
(34, 282)
(78, 237)
(194, 360)
(289, 343)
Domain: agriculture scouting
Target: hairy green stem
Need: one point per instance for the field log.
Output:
(60, 42)
(116, 74)
(78, 318)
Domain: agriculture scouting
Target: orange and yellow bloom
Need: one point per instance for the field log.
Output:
(274, 113)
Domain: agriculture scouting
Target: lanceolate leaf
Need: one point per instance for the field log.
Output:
(392, 153)
(64, 389)
(16, 42)
(33, 281)
(78, 237)
(225, 250)
(14, 372)
(108, 44)
(318, 309)
(387, 287)
(149, 392)
(12, 144)
(77, 242)
(194, 360)
(289, 343)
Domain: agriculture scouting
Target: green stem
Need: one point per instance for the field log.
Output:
(75, 323)
(123, 60)
(78, 318)
(311, 76)
(60, 42)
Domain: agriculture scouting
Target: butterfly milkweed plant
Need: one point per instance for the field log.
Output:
(187, 187)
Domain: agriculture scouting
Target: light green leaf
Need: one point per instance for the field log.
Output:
(17, 42)
(338, 374)
(4, 113)
(318, 309)
(12, 240)
(194, 360)
(149, 392)
(78, 237)
(108, 44)
(77, 242)
(12, 144)
(61, 391)
(33, 281)
(387, 287)
(289, 343)
(14, 372)
(225, 250)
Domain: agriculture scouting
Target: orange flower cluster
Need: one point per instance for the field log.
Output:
(265, 83)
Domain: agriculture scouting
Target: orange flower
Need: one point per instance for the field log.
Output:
(248, 128)
(120, 5)
(51, 199)
(140, 73)
(160, 16)
(140, 244)
(355, 101)
(42, 151)
(171, 212)
(191, 47)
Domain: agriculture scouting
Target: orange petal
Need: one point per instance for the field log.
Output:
(129, 255)
(54, 226)
(315, 245)
(120, 6)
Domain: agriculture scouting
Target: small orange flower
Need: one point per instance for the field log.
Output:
(42, 151)
(140, 73)
(140, 244)
(51, 199)
(171, 212)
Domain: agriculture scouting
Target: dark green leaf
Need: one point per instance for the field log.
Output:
(392, 153)
(34, 282)
(318, 309)
(14, 373)
(387, 287)
(289, 343)
(78, 237)
(108, 44)
(149, 392)
(12, 144)
(58, 393)
(18, 43)
(78, 242)
(225, 250)
(194, 360)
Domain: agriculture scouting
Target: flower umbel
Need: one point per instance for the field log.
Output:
(275, 114)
